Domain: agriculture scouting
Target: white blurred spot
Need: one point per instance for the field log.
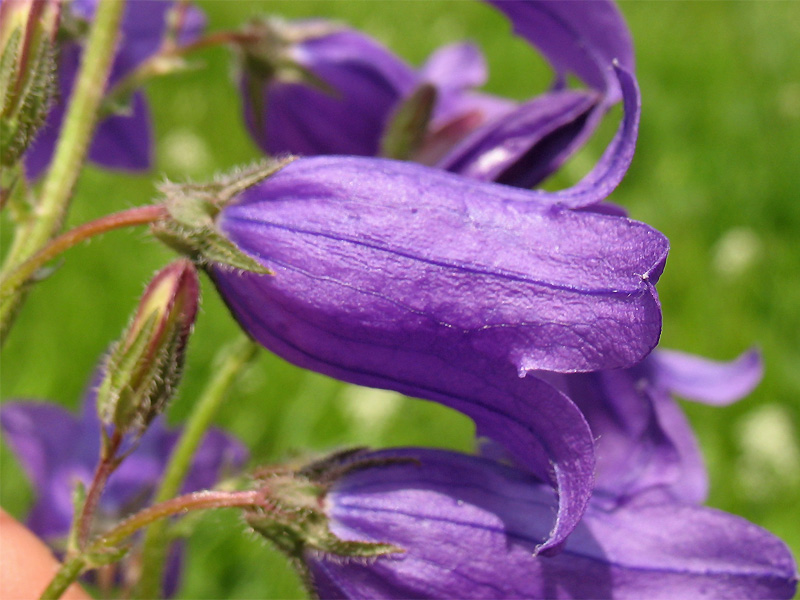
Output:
(183, 150)
(770, 457)
(789, 100)
(370, 410)
(736, 251)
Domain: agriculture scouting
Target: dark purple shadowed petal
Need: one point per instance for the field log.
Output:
(120, 141)
(468, 527)
(40, 152)
(527, 144)
(583, 38)
(368, 81)
(703, 380)
(391, 255)
(125, 141)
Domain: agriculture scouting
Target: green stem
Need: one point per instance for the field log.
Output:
(141, 215)
(72, 569)
(233, 359)
(73, 142)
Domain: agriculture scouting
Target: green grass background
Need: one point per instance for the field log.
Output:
(716, 170)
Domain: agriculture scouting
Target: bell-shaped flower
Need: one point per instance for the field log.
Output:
(422, 523)
(125, 140)
(310, 87)
(393, 275)
(57, 449)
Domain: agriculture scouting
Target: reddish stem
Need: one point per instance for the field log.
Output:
(141, 215)
(108, 463)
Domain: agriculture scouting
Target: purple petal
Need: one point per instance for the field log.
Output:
(218, 455)
(704, 380)
(395, 276)
(368, 81)
(609, 171)
(526, 145)
(645, 447)
(455, 67)
(468, 527)
(120, 141)
(38, 433)
(584, 38)
(391, 255)
(125, 141)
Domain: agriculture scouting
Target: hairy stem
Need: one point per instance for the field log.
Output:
(232, 360)
(140, 215)
(73, 567)
(73, 143)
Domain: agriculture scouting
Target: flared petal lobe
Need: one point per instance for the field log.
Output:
(468, 527)
(582, 38)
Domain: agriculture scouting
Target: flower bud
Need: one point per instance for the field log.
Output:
(144, 367)
(27, 72)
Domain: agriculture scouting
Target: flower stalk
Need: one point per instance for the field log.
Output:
(141, 215)
(76, 565)
(73, 143)
(232, 359)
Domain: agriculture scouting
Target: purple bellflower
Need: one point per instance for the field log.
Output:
(467, 527)
(121, 141)
(350, 88)
(58, 449)
(393, 275)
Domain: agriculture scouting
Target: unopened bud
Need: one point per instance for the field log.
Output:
(143, 369)
(27, 71)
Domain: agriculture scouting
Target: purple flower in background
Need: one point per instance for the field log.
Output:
(394, 275)
(121, 141)
(343, 91)
(467, 527)
(57, 449)
(645, 448)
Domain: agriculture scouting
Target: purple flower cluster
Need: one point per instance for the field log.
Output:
(532, 312)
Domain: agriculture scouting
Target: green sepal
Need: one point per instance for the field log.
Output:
(119, 400)
(8, 62)
(407, 128)
(296, 521)
(191, 227)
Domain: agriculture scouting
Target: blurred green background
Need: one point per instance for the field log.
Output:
(716, 170)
